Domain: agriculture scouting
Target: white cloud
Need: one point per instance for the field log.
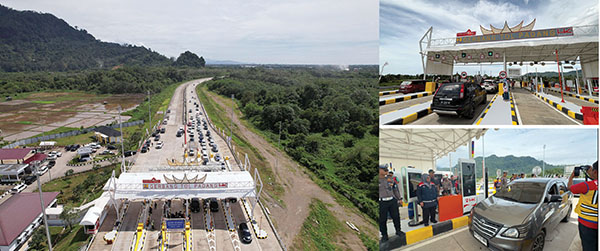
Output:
(403, 23)
(321, 32)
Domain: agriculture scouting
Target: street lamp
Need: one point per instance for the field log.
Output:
(544, 160)
(381, 73)
(42, 204)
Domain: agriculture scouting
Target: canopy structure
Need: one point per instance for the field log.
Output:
(185, 185)
(580, 43)
(421, 147)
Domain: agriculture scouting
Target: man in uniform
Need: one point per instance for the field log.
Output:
(587, 208)
(389, 199)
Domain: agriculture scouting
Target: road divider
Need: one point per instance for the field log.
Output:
(561, 108)
(403, 98)
(424, 233)
(575, 95)
(406, 115)
(388, 92)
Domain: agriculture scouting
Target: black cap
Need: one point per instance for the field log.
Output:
(431, 171)
(383, 166)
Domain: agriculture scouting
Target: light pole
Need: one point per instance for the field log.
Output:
(231, 123)
(43, 207)
(122, 146)
(381, 73)
(149, 113)
(544, 160)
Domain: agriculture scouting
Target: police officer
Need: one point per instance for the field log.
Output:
(389, 199)
(587, 208)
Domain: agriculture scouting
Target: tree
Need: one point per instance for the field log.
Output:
(189, 59)
(38, 239)
(69, 216)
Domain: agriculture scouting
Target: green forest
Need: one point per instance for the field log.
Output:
(328, 121)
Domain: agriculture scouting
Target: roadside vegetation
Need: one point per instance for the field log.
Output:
(328, 120)
(78, 189)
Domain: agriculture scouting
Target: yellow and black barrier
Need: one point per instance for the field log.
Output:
(575, 95)
(388, 92)
(423, 233)
(513, 111)
(411, 117)
(403, 98)
(561, 108)
(487, 109)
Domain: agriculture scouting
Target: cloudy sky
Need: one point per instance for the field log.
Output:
(252, 31)
(572, 146)
(404, 22)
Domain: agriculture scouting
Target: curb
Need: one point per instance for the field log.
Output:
(424, 233)
(388, 92)
(575, 96)
(572, 114)
(513, 112)
(486, 109)
(405, 98)
(411, 117)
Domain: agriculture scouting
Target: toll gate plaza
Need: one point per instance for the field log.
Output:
(530, 101)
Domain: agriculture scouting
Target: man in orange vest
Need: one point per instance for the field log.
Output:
(587, 208)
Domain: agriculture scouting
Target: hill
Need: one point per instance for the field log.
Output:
(554, 74)
(33, 41)
(510, 163)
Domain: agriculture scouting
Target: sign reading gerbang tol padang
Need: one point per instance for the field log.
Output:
(554, 32)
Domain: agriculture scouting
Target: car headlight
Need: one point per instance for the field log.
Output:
(511, 232)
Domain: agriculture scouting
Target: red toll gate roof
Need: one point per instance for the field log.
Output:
(36, 157)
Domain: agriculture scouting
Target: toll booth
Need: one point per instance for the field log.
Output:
(409, 180)
(468, 185)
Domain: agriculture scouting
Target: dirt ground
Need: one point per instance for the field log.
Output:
(299, 191)
(44, 111)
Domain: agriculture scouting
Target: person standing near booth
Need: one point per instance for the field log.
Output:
(587, 208)
(389, 199)
(427, 195)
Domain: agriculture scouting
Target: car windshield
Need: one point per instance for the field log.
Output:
(405, 83)
(524, 192)
(449, 89)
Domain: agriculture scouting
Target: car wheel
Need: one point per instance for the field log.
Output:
(566, 219)
(538, 242)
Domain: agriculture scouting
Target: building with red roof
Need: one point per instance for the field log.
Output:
(20, 215)
(15, 155)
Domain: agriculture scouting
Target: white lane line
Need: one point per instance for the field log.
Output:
(516, 109)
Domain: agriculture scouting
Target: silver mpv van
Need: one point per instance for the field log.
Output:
(521, 215)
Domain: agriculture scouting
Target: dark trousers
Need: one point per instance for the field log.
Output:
(391, 207)
(589, 238)
(428, 215)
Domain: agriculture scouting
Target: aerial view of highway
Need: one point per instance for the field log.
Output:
(188, 126)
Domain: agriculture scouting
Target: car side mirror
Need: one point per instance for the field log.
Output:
(554, 198)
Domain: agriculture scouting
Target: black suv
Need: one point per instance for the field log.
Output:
(195, 205)
(245, 234)
(459, 99)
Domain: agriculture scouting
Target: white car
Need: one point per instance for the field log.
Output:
(159, 145)
(18, 188)
(42, 170)
(56, 153)
(51, 157)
